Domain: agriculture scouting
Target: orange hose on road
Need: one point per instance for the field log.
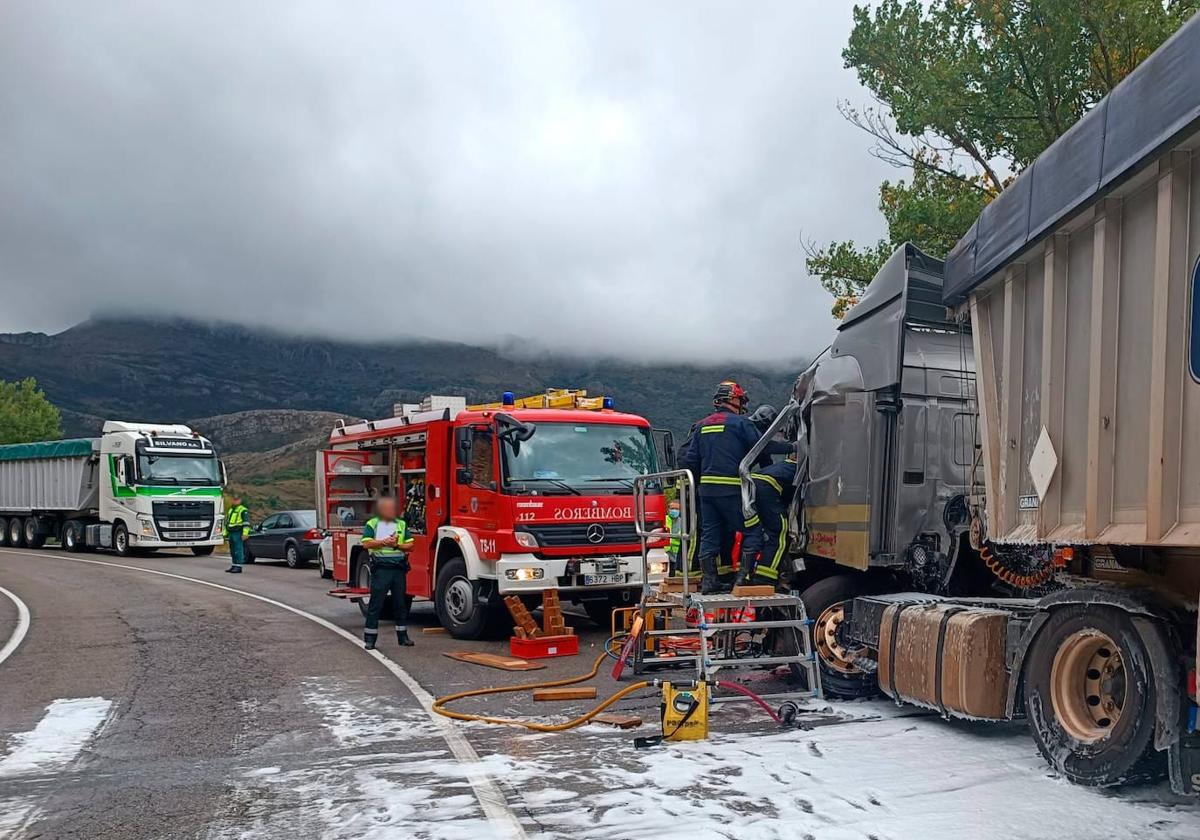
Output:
(440, 703)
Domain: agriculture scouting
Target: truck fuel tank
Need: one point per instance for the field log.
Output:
(946, 656)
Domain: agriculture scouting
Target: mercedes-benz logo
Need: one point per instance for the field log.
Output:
(595, 533)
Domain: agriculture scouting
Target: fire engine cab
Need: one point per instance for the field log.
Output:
(510, 497)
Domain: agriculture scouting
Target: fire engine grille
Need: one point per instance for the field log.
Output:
(583, 534)
(184, 520)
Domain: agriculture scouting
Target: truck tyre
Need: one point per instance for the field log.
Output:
(291, 556)
(120, 540)
(16, 533)
(202, 550)
(3, 531)
(1089, 697)
(34, 538)
(824, 603)
(72, 536)
(456, 599)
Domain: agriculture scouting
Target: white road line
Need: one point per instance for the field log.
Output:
(491, 799)
(18, 635)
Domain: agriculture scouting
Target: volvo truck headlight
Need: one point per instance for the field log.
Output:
(147, 526)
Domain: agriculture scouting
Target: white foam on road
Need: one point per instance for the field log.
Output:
(502, 822)
(49, 748)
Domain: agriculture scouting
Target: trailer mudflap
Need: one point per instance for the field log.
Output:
(1183, 758)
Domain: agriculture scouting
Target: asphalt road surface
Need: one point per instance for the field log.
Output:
(168, 699)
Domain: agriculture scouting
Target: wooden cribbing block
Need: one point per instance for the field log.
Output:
(520, 633)
(491, 660)
(618, 720)
(564, 693)
(432, 631)
(753, 591)
(516, 608)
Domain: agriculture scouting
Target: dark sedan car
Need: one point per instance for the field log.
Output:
(289, 535)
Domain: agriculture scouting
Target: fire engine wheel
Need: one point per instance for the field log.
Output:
(459, 607)
(1089, 697)
(825, 603)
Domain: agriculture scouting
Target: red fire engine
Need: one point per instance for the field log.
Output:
(499, 499)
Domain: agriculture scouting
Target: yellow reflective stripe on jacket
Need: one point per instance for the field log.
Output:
(720, 479)
(768, 479)
(708, 430)
(752, 521)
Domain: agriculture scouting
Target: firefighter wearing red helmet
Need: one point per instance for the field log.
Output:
(713, 451)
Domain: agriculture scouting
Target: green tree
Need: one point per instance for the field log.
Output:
(969, 92)
(25, 413)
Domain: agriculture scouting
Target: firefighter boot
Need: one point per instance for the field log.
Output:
(709, 583)
(369, 639)
(402, 637)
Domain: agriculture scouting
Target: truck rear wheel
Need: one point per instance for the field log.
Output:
(34, 536)
(825, 603)
(1089, 697)
(72, 536)
(16, 533)
(3, 531)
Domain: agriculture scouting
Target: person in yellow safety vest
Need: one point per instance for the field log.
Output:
(237, 522)
(673, 526)
(385, 536)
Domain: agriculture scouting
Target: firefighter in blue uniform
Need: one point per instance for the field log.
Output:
(765, 540)
(714, 450)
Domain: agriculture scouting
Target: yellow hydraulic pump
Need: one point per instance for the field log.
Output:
(685, 711)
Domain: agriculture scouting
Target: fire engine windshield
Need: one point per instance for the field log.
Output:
(574, 457)
(178, 469)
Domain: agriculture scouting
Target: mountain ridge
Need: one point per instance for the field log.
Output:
(176, 369)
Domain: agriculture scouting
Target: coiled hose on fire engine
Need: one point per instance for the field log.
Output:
(439, 705)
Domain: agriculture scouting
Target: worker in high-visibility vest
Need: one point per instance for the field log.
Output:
(237, 522)
(385, 536)
(765, 542)
(673, 526)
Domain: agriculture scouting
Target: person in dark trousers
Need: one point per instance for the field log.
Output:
(714, 451)
(237, 522)
(765, 543)
(385, 536)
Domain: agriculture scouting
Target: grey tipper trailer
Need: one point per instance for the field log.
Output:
(37, 480)
(1065, 590)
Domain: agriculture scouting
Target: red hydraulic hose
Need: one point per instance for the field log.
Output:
(743, 690)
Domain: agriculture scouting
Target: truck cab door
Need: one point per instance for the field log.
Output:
(664, 443)
(476, 498)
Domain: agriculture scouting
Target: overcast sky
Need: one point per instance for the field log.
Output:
(630, 179)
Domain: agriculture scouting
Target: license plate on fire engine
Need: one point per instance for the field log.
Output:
(595, 580)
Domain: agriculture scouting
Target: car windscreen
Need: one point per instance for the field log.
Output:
(579, 455)
(178, 469)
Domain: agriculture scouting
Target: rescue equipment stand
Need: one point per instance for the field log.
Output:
(718, 632)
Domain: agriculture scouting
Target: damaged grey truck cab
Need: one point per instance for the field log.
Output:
(886, 433)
